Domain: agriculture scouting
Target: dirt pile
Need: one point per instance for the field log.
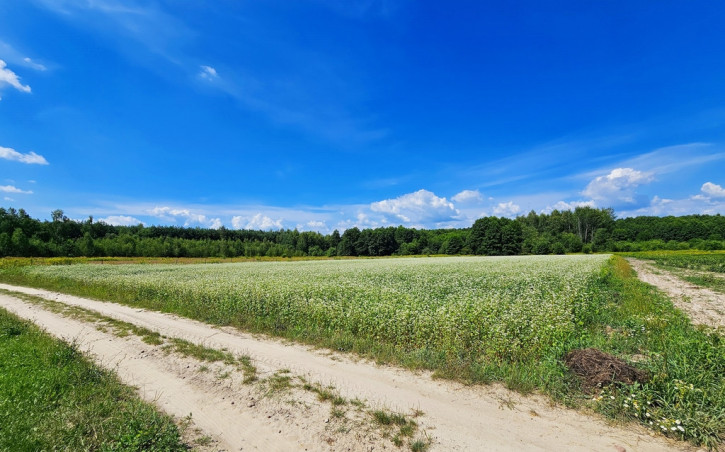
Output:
(599, 369)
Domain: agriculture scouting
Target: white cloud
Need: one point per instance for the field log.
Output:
(257, 222)
(468, 196)
(34, 65)
(713, 190)
(618, 185)
(120, 220)
(208, 73)
(29, 158)
(506, 209)
(12, 56)
(190, 218)
(215, 223)
(563, 205)
(14, 189)
(238, 222)
(698, 204)
(421, 206)
(8, 198)
(317, 225)
(9, 77)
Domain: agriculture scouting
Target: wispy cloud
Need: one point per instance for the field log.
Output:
(9, 54)
(8, 77)
(34, 65)
(30, 158)
(304, 89)
(126, 22)
(208, 73)
(14, 189)
(666, 160)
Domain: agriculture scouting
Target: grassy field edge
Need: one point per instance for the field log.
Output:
(53, 398)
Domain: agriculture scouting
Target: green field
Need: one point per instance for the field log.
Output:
(498, 308)
(477, 319)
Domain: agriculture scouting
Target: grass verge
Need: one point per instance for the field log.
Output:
(52, 398)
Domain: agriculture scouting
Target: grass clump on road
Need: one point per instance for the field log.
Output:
(52, 398)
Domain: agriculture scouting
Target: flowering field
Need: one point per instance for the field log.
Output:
(507, 307)
(479, 319)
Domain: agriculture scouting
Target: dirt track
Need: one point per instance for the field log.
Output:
(702, 305)
(455, 417)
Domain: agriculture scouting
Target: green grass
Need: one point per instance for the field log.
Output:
(686, 395)
(52, 398)
(612, 311)
(711, 261)
(703, 280)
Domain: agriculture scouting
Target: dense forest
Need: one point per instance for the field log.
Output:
(585, 230)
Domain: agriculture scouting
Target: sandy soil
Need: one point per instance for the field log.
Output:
(455, 417)
(702, 305)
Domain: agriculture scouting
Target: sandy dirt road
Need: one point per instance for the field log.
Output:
(455, 417)
(702, 305)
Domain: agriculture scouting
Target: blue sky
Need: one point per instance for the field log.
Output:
(325, 114)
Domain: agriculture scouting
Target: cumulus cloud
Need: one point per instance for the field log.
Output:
(468, 196)
(208, 73)
(257, 222)
(419, 207)
(14, 189)
(506, 209)
(30, 158)
(8, 77)
(120, 220)
(189, 217)
(697, 204)
(563, 205)
(618, 185)
(713, 190)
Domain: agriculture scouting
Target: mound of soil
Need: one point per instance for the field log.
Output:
(599, 369)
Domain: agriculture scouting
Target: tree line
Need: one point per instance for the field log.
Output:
(585, 229)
